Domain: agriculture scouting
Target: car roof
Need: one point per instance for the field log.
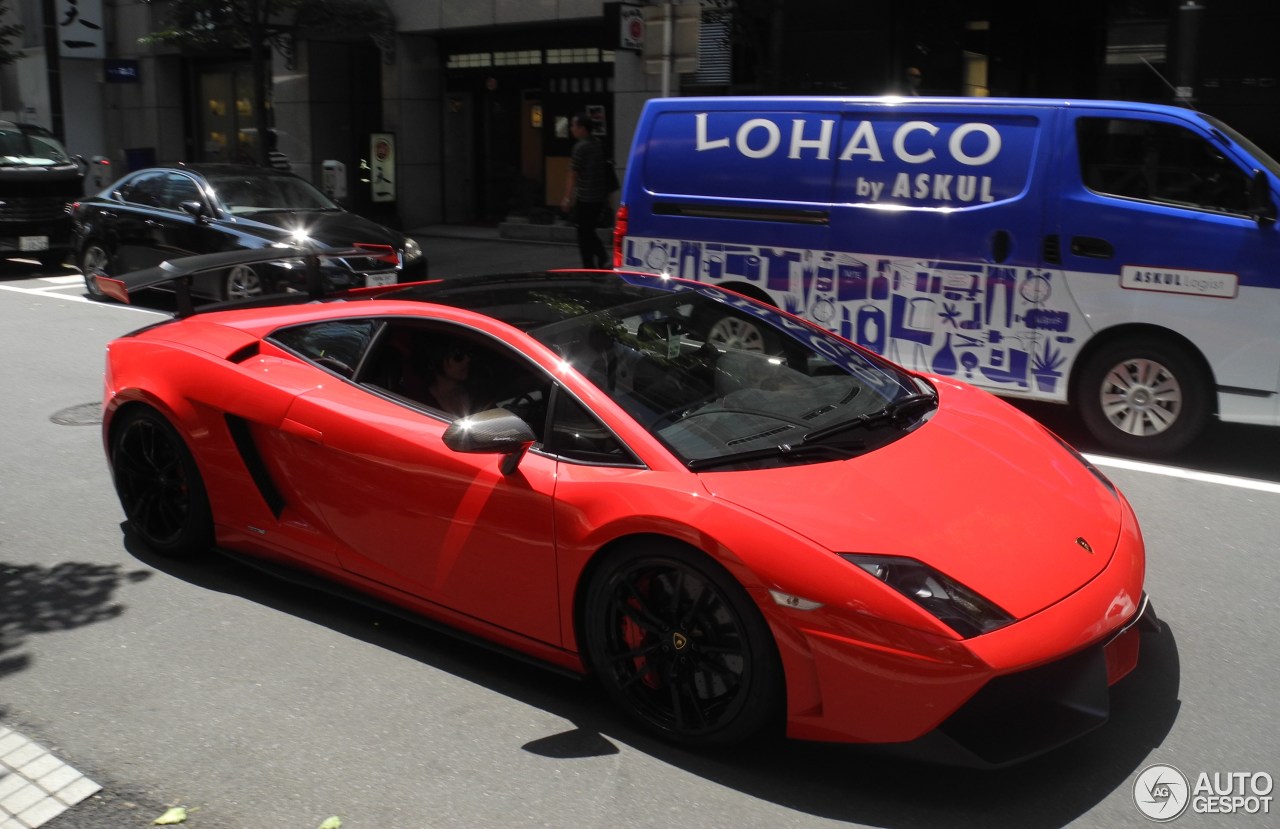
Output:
(218, 168)
(532, 300)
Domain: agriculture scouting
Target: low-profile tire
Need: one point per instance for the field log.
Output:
(242, 282)
(1144, 396)
(94, 258)
(678, 644)
(159, 484)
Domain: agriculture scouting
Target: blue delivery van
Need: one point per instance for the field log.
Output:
(1120, 257)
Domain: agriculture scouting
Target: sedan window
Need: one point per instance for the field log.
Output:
(146, 189)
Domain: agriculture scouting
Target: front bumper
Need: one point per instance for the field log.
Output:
(843, 687)
(1018, 716)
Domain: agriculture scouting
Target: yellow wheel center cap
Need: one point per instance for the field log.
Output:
(679, 640)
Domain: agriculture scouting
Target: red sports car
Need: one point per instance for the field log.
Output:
(579, 467)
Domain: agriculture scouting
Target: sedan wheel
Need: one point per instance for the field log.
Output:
(159, 484)
(679, 644)
(242, 282)
(94, 260)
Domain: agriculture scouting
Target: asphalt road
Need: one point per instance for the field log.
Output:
(258, 704)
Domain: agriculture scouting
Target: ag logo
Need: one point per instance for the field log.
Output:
(1161, 793)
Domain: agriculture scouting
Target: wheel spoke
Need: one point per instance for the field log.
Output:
(635, 607)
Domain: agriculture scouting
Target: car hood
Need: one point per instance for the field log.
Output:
(335, 229)
(980, 492)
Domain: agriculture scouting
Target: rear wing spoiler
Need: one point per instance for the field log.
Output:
(177, 273)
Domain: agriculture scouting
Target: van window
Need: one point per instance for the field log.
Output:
(1159, 162)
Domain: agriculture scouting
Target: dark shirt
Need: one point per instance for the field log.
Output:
(587, 163)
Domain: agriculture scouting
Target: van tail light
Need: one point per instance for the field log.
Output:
(619, 233)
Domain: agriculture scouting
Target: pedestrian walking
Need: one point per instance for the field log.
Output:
(585, 191)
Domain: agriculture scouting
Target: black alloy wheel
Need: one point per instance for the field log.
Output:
(159, 485)
(679, 644)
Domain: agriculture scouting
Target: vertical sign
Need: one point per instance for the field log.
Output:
(382, 166)
(631, 28)
(79, 27)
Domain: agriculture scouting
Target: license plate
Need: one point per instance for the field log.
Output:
(33, 243)
(376, 280)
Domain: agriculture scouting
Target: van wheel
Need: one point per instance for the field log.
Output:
(738, 334)
(1144, 396)
(94, 259)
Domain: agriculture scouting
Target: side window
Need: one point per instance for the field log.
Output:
(577, 435)
(177, 189)
(335, 345)
(146, 190)
(1159, 162)
(455, 371)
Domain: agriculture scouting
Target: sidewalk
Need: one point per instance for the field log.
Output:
(462, 250)
(35, 786)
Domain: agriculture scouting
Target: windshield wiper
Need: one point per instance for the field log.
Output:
(797, 451)
(896, 414)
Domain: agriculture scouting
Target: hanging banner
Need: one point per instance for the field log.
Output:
(79, 27)
(382, 166)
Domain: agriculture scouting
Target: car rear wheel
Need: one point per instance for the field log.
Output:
(94, 259)
(159, 485)
(678, 643)
(1144, 396)
(242, 282)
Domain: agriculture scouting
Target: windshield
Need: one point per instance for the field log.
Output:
(664, 359)
(242, 194)
(29, 145)
(1253, 149)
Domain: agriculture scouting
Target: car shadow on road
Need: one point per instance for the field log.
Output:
(860, 784)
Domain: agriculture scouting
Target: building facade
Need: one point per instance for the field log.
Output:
(458, 111)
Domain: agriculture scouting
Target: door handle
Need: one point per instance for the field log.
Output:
(1092, 247)
(301, 430)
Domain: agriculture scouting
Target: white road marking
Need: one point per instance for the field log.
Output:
(1187, 474)
(57, 292)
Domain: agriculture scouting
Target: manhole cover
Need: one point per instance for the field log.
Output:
(86, 414)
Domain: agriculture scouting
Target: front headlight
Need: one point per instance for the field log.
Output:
(412, 251)
(953, 604)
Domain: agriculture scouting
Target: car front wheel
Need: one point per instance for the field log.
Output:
(677, 642)
(159, 485)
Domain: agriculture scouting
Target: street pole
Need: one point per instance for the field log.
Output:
(668, 40)
(53, 68)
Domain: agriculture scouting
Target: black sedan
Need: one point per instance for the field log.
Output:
(160, 213)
